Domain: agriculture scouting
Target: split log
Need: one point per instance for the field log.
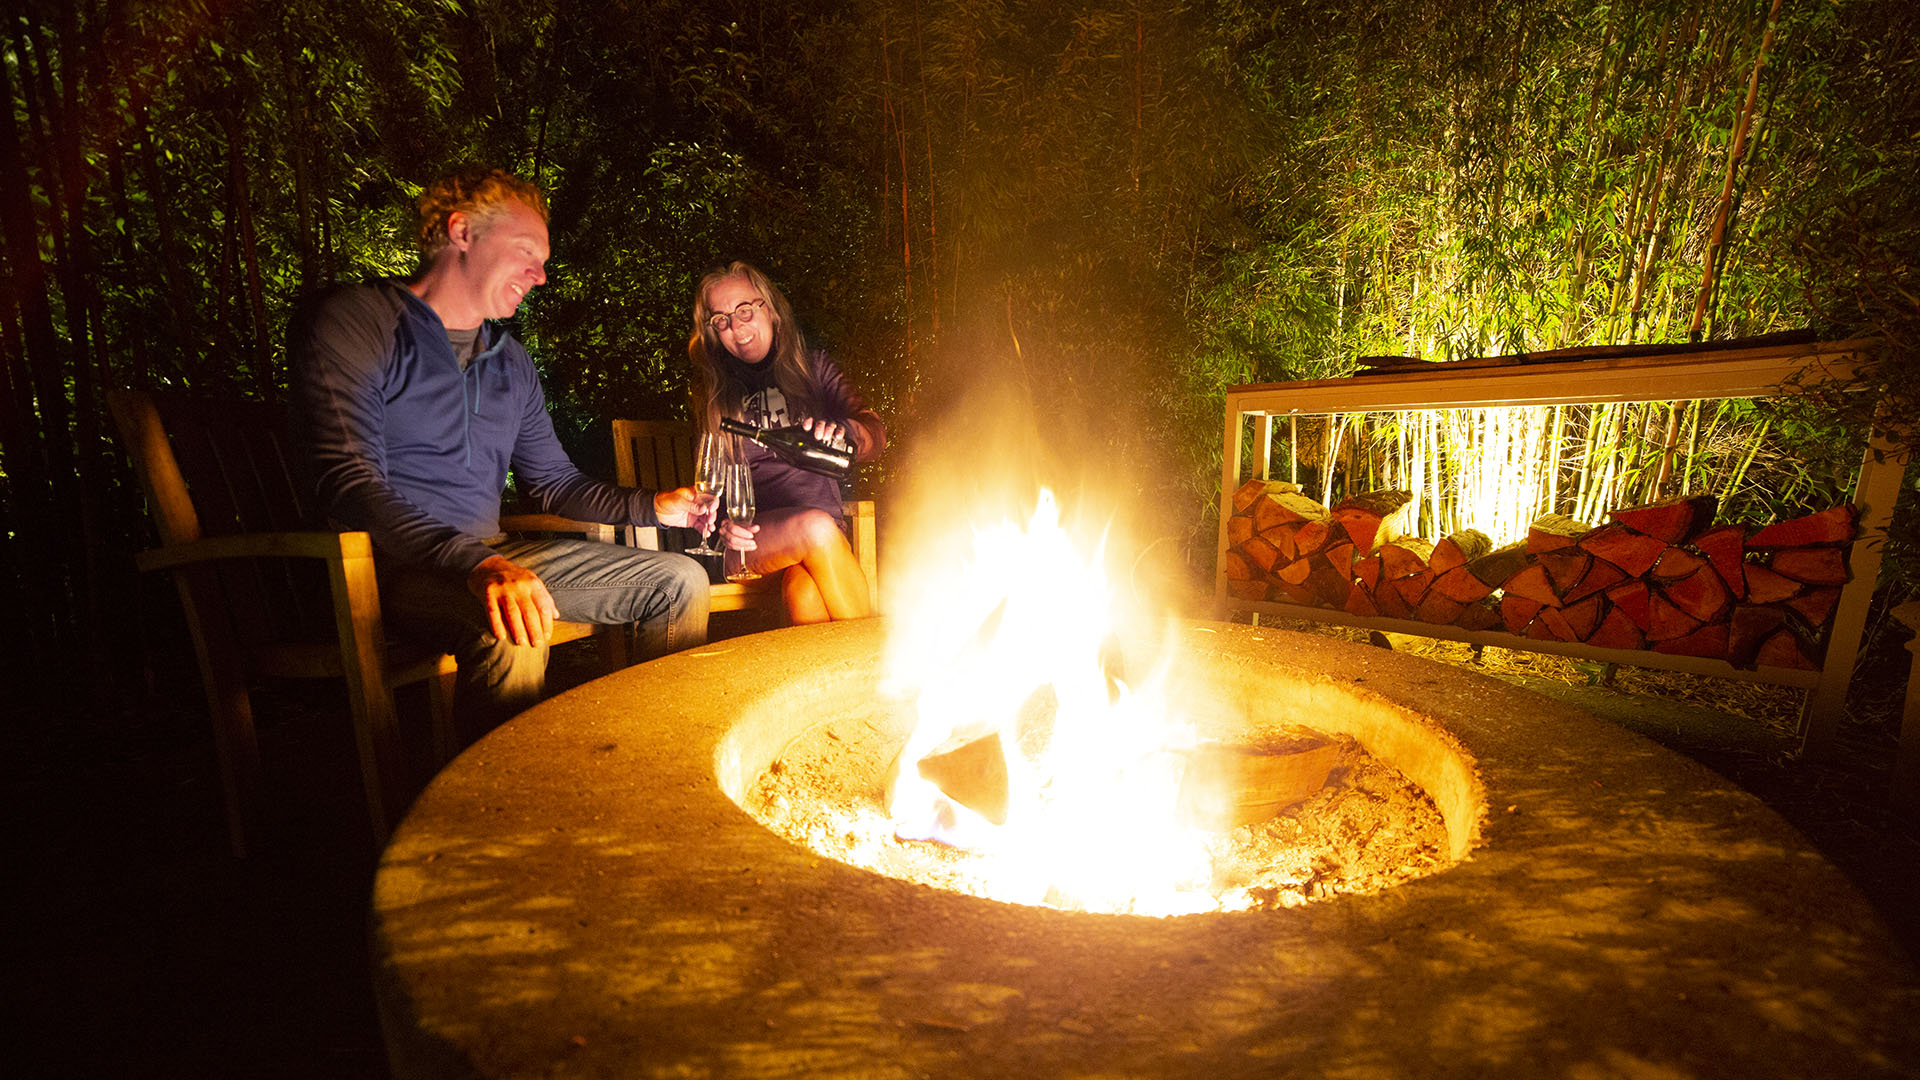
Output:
(1438, 607)
(1412, 588)
(1371, 517)
(1405, 556)
(1315, 536)
(1723, 545)
(1291, 593)
(1540, 630)
(1708, 641)
(1534, 584)
(1516, 612)
(1675, 563)
(1360, 602)
(1616, 631)
(1460, 584)
(1340, 557)
(1391, 603)
(1367, 572)
(1235, 567)
(1666, 622)
(1459, 549)
(1482, 614)
(1246, 494)
(1238, 530)
(1630, 551)
(1836, 525)
(1565, 567)
(1670, 521)
(1635, 599)
(1551, 531)
(1816, 606)
(1749, 628)
(1766, 587)
(1260, 553)
(1701, 594)
(1601, 576)
(1496, 567)
(1330, 587)
(1225, 787)
(1811, 566)
(1576, 623)
(1283, 509)
(1247, 590)
(1295, 572)
(1786, 649)
(1281, 537)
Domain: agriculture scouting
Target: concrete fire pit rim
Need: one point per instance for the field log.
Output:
(576, 895)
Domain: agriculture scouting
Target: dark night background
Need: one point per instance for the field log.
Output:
(1156, 201)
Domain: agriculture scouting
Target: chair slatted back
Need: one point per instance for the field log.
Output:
(224, 467)
(656, 455)
(653, 454)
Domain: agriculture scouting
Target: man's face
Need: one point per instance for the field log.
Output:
(749, 318)
(505, 257)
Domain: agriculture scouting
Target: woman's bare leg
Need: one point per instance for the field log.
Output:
(802, 596)
(812, 539)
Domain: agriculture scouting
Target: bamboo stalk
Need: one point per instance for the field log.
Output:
(1734, 152)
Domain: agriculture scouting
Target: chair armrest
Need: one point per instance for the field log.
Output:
(592, 530)
(332, 546)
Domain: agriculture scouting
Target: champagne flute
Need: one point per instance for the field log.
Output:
(709, 476)
(740, 512)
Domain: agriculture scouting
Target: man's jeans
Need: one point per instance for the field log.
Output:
(663, 593)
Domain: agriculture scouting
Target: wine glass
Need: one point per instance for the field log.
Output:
(740, 512)
(709, 476)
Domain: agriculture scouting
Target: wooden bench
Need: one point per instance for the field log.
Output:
(658, 455)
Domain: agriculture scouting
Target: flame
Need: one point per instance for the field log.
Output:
(1091, 820)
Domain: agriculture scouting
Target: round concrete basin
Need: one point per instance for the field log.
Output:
(579, 895)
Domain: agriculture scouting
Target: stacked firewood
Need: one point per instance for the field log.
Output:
(1662, 576)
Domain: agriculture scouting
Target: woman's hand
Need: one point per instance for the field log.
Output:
(739, 537)
(845, 436)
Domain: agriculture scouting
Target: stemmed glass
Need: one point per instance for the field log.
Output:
(740, 512)
(709, 476)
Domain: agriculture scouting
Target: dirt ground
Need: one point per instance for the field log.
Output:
(138, 947)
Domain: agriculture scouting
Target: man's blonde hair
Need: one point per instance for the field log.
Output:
(475, 190)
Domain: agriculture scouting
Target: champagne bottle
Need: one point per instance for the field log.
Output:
(797, 448)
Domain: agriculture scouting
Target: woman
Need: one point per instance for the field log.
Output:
(750, 363)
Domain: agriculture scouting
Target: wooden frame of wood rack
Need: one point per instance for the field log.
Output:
(1762, 370)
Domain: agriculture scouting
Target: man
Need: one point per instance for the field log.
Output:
(410, 407)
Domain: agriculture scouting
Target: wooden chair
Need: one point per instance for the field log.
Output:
(265, 594)
(658, 455)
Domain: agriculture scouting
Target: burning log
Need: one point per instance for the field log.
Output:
(973, 774)
(1225, 787)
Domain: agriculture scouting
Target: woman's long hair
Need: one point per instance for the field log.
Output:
(715, 394)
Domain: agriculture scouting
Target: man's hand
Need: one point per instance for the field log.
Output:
(520, 606)
(685, 508)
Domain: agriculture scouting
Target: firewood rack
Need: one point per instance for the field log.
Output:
(1759, 370)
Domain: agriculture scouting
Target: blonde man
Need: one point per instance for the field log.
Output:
(410, 406)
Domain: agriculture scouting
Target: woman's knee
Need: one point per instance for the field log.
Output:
(819, 530)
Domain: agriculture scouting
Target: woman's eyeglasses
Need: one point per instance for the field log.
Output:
(744, 315)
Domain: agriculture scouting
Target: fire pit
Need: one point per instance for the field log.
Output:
(581, 894)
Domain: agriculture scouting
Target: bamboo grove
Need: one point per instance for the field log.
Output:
(1129, 206)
